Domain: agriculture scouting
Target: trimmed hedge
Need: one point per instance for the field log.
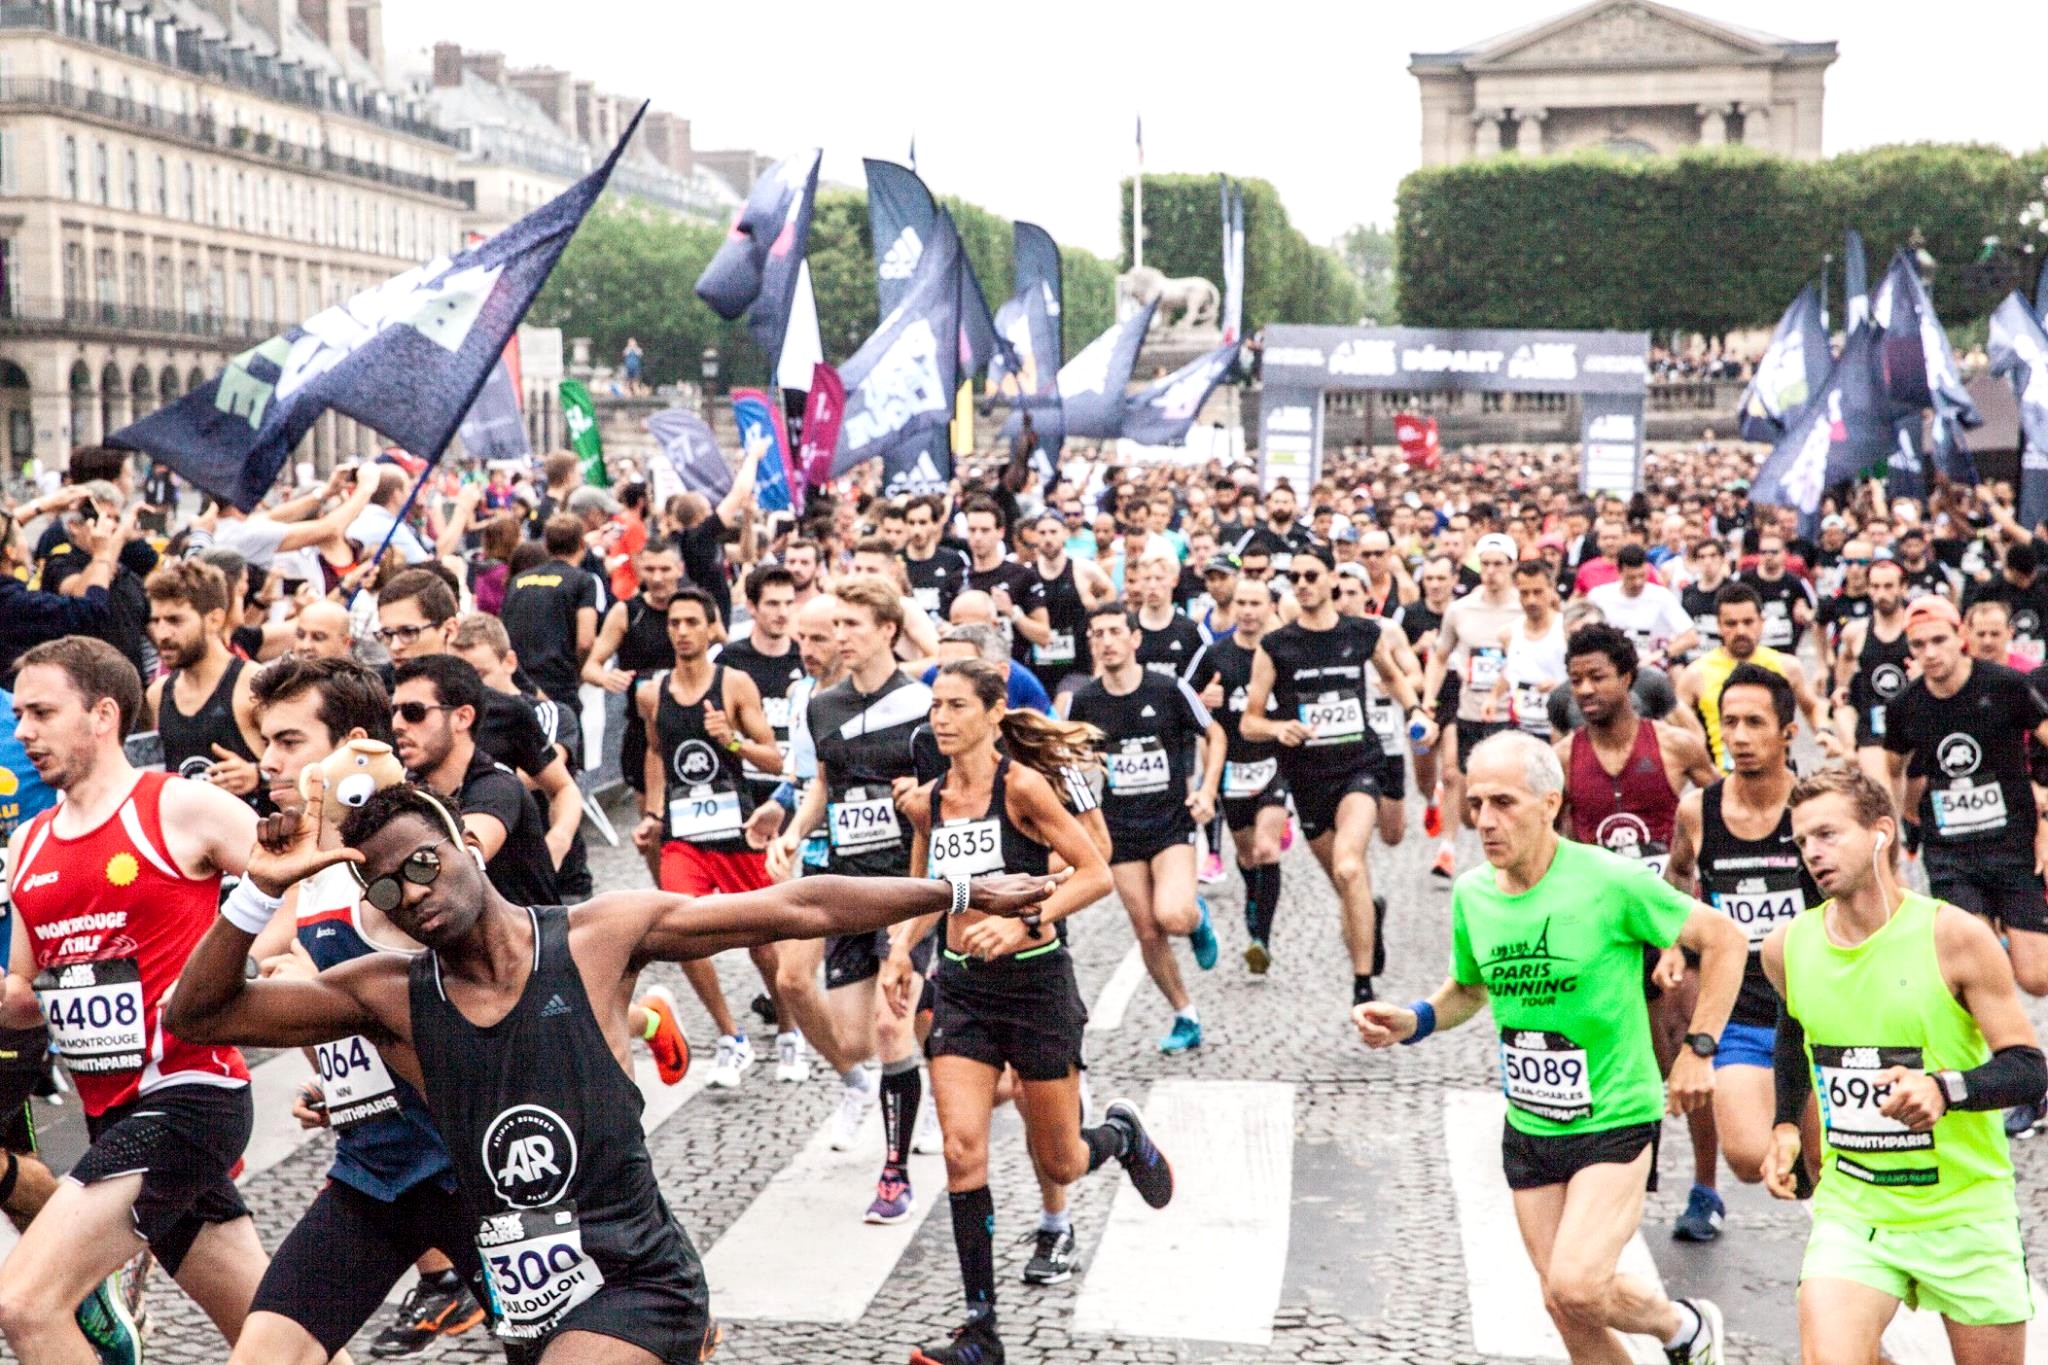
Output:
(1287, 278)
(1705, 241)
(630, 269)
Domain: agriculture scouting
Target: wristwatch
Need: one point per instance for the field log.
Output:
(1703, 1044)
(1955, 1087)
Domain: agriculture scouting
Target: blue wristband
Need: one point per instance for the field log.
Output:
(785, 797)
(1425, 1022)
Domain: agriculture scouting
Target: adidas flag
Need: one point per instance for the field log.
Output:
(406, 358)
(1844, 431)
(900, 384)
(756, 269)
(1793, 368)
(900, 218)
(1161, 413)
(1090, 387)
(2018, 347)
(1037, 259)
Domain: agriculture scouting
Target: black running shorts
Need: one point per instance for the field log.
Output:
(1026, 1014)
(1316, 802)
(333, 1269)
(1140, 844)
(2005, 890)
(853, 958)
(669, 1320)
(1531, 1162)
(184, 1140)
(1242, 812)
(1472, 733)
(24, 1054)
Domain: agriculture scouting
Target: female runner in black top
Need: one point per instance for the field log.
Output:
(1006, 992)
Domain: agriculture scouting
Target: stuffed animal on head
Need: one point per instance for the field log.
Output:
(354, 772)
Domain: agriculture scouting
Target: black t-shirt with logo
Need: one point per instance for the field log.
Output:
(540, 617)
(1972, 749)
(522, 870)
(1780, 595)
(1152, 732)
(1173, 649)
(1027, 593)
(935, 582)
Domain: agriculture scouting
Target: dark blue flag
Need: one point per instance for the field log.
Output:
(755, 269)
(1091, 386)
(1919, 367)
(494, 428)
(692, 451)
(2018, 347)
(1855, 281)
(900, 218)
(2041, 289)
(405, 358)
(1037, 259)
(1028, 323)
(1161, 413)
(1905, 473)
(1792, 370)
(1845, 430)
(900, 384)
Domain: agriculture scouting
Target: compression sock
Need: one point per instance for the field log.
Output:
(974, 1238)
(1261, 899)
(902, 1087)
(1106, 1142)
(1361, 990)
(1051, 1220)
(1379, 935)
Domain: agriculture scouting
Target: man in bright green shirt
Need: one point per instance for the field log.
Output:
(1550, 933)
(1903, 1013)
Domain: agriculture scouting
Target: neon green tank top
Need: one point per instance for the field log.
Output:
(1880, 1004)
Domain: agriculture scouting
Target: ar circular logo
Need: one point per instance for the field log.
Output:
(1624, 834)
(695, 762)
(1958, 755)
(195, 767)
(529, 1156)
(2026, 623)
(1886, 680)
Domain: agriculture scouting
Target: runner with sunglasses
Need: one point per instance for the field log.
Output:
(576, 1240)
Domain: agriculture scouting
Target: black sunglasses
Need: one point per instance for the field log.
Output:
(421, 867)
(413, 712)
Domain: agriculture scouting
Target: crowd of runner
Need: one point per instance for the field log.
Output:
(889, 748)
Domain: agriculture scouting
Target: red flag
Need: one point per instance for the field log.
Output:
(822, 413)
(1419, 441)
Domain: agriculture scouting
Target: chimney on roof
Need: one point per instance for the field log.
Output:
(447, 65)
(314, 14)
(267, 15)
(586, 115)
(666, 137)
(366, 30)
(489, 66)
(550, 89)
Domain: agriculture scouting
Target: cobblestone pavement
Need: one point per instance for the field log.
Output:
(1375, 1267)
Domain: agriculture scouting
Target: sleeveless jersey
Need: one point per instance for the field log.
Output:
(1533, 668)
(1066, 653)
(112, 920)
(549, 1159)
(774, 675)
(1879, 1004)
(709, 798)
(1715, 666)
(645, 644)
(863, 743)
(1321, 678)
(1758, 883)
(189, 740)
(1880, 676)
(980, 846)
(1632, 812)
(384, 1138)
(1249, 766)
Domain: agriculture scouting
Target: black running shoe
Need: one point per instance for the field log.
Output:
(974, 1343)
(1144, 1163)
(1379, 935)
(1052, 1260)
(433, 1309)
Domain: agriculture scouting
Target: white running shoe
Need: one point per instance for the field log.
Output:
(734, 1059)
(790, 1062)
(854, 1103)
(926, 1139)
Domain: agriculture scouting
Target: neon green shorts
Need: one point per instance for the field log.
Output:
(1974, 1273)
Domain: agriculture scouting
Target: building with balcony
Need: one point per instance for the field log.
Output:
(180, 179)
(528, 133)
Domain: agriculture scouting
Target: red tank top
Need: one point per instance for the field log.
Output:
(1630, 813)
(112, 919)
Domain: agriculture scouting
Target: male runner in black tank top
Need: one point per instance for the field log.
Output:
(1073, 588)
(768, 654)
(632, 643)
(1871, 667)
(577, 1241)
(203, 706)
(697, 799)
(1737, 836)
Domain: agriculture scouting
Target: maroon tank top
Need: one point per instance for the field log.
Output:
(1630, 813)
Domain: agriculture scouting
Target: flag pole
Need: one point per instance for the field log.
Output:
(1138, 203)
(398, 520)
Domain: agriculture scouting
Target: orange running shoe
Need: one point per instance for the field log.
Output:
(670, 1048)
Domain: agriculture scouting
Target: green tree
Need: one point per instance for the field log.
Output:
(1287, 278)
(1368, 252)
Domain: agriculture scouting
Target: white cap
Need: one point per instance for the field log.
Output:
(1499, 544)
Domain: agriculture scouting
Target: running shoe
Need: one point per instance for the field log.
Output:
(790, 1062)
(1052, 1260)
(2021, 1119)
(1703, 1216)
(670, 1049)
(1379, 935)
(893, 1199)
(734, 1059)
(109, 1328)
(1433, 820)
(1446, 865)
(1203, 939)
(1705, 1346)
(1287, 835)
(1185, 1034)
(440, 1307)
(854, 1103)
(1146, 1165)
(1212, 868)
(1257, 958)
(974, 1343)
(926, 1139)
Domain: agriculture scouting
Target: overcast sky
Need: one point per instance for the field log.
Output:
(1314, 97)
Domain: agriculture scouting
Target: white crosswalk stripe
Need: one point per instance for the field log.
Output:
(1115, 1000)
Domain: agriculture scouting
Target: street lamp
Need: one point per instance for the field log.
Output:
(710, 363)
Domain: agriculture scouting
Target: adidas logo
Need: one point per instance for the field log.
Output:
(902, 256)
(555, 1006)
(1148, 711)
(1176, 646)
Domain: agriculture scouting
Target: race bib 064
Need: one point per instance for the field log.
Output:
(355, 1081)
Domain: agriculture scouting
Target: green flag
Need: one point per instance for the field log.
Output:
(580, 417)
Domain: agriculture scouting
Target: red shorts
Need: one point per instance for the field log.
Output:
(687, 870)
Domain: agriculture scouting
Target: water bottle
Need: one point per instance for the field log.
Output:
(1416, 730)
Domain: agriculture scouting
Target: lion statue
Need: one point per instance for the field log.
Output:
(1187, 302)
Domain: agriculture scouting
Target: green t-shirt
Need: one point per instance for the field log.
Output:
(1562, 964)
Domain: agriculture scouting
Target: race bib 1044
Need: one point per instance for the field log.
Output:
(95, 1014)
(535, 1268)
(1057, 650)
(1757, 913)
